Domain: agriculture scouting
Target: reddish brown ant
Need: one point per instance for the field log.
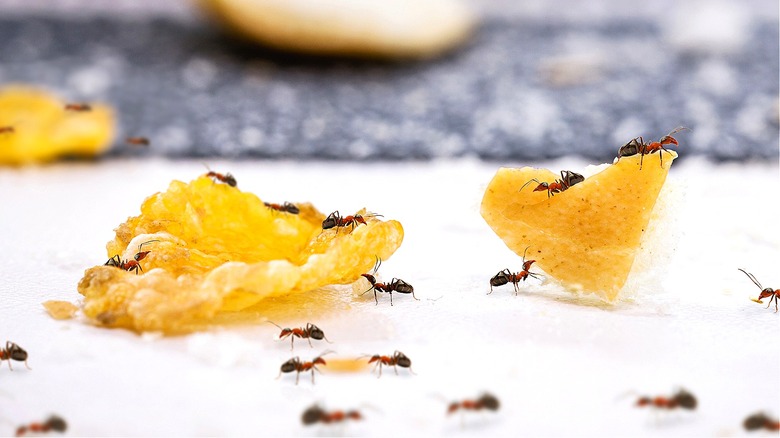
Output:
(53, 423)
(398, 359)
(299, 367)
(7, 130)
(78, 107)
(130, 265)
(772, 294)
(287, 207)
(568, 179)
(485, 401)
(638, 146)
(506, 276)
(315, 414)
(137, 141)
(13, 352)
(226, 178)
(334, 220)
(395, 285)
(761, 420)
(309, 332)
(681, 399)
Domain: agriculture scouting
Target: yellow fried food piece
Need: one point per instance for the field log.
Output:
(213, 254)
(36, 127)
(60, 309)
(366, 28)
(587, 236)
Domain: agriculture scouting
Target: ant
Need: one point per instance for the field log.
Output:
(13, 352)
(309, 332)
(638, 146)
(485, 401)
(398, 359)
(53, 423)
(395, 285)
(7, 130)
(315, 414)
(299, 367)
(334, 220)
(287, 207)
(137, 141)
(568, 179)
(761, 420)
(78, 107)
(682, 399)
(130, 265)
(226, 178)
(772, 294)
(506, 276)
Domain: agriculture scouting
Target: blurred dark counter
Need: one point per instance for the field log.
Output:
(522, 89)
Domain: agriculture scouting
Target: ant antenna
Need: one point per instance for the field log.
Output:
(148, 241)
(280, 327)
(529, 182)
(377, 264)
(752, 278)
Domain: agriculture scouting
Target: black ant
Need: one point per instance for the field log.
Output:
(681, 399)
(506, 276)
(772, 294)
(398, 359)
(315, 414)
(309, 332)
(295, 364)
(568, 179)
(638, 146)
(334, 220)
(137, 141)
(53, 423)
(761, 420)
(226, 178)
(287, 207)
(130, 265)
(485, 401)
(13, 352)
(395, 285)
(78, 107)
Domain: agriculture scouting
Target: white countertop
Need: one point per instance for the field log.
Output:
(558, 364)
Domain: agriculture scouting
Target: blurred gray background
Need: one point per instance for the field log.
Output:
(539, 79)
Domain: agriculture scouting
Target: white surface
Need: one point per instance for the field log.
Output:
(558, 364)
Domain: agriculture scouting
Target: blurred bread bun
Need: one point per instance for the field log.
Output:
(363, 28)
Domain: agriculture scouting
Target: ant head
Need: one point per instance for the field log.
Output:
(489, 401)
(685, 399)
(290, 365)
(542, 187)
(315, 332)
(141, 255)
(500, 279)
(402, 360)
(312, 415)
(371, 279)
(56, 424)
(766, 293)
(17, 353)
(527, 264)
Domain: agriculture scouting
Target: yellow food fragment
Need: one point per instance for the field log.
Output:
(347, 365)
(218, 255)
(587, 236)
(60, 309)
(35, 127)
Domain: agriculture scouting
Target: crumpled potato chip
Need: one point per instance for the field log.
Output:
(36, 127)
(212, 254)
(586, 237)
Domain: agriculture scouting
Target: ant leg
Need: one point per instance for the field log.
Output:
(292, 342)
(375, 298)
(391, 297)
(28, 366)
(395, 368)
(309, 339)
(297, 376)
